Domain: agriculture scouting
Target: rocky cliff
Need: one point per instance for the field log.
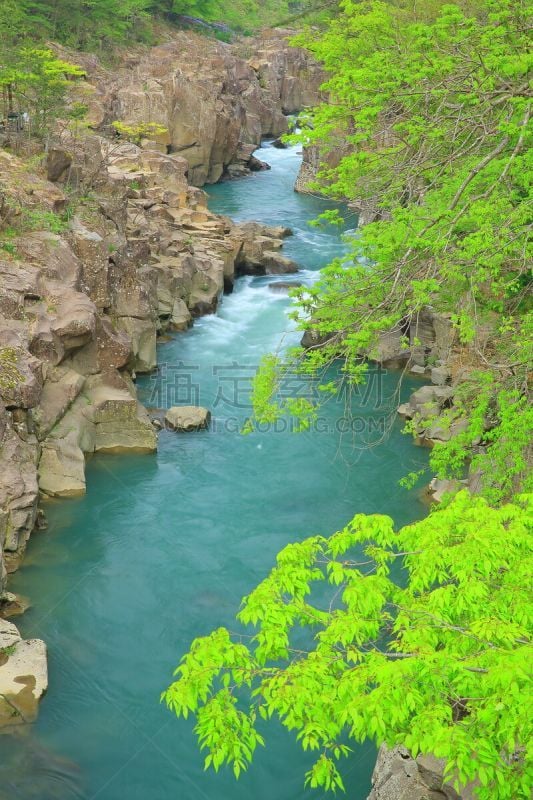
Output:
(215, 101)
(107, 244)
(80, 312)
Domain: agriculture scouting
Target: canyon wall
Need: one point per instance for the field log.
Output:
(214, 100)
(110, 245)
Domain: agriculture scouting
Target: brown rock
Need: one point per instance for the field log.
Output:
(187, 418)
(58, 161)
(21, 377)
(23, 676)
(60, 389)
(18, 487)
(143, 336)
(74, 318)
(62, 467)
(53, 255)
(93, 254)
(107, 348)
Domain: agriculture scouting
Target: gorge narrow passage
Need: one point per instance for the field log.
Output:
(163, 548)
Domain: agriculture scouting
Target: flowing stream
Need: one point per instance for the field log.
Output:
(163, 548)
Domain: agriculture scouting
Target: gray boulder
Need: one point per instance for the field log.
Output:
(187, 418)
(398, 776)
(440, 376)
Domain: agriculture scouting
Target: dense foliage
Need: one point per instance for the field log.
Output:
(423, 638)
(35, 80)
(431, 114)
(439, 664)
(89, 25)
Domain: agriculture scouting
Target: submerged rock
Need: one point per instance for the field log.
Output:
(284, 286)
(187, 418)
(31, 771)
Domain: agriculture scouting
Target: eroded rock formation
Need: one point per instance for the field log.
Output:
(81, 310)
(84, 295)
(215, 101)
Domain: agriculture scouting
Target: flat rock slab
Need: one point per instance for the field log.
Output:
(23, 676)
(187, 418)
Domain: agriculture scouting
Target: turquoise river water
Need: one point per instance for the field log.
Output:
(162, 548)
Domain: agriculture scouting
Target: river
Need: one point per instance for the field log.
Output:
(162, 548)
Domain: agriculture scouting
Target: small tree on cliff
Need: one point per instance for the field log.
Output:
(136, 132)
(439, 662)
(37, 83)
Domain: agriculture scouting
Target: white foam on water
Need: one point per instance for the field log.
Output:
(253, 318)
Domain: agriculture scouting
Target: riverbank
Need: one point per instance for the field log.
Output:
(143, 256)
(240, 506)
(117, 247)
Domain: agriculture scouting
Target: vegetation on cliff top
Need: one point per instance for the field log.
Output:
(34, 79)
(91, 25)
(418, 637)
